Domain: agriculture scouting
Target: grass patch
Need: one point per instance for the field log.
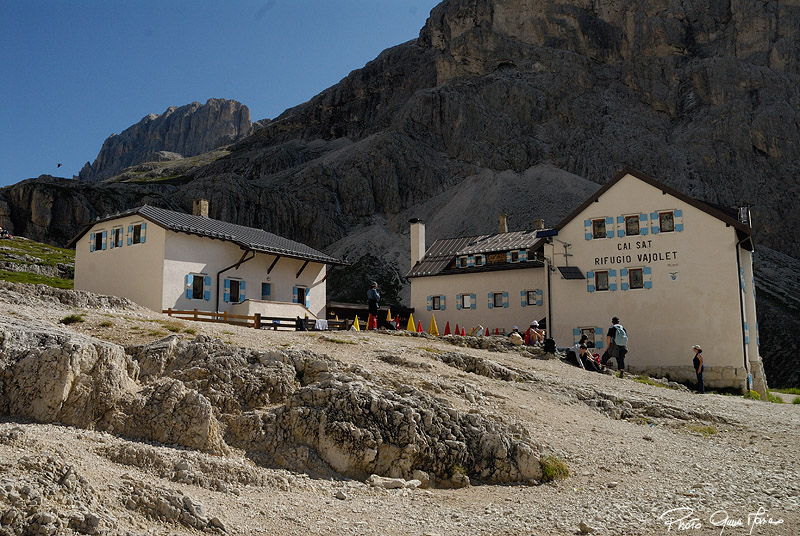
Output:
(154, 333)
(35, 279)
(775, 399)
(47, 255)
(71, 319)
(796, 400)
(705, 431)
(105, 324)
(337, 341)
(226, 332)
(647, 381)
(789, 390)
(190, 331)
(553, 468)
(753, 395)
(431, 350)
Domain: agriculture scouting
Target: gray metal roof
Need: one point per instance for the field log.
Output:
(245, 237)
(442, 252)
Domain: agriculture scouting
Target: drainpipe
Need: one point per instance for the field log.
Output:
(741, 309)
(234, 265)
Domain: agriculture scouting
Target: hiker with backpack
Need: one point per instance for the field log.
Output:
(617, 344)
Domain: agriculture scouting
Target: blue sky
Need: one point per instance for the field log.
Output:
(74, 72)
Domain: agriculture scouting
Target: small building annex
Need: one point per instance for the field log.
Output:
(677, 271)
(165, 259)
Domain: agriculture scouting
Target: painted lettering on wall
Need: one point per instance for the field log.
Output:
(646, 257)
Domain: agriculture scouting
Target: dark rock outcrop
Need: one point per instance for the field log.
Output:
(538, 99)
(178, 132)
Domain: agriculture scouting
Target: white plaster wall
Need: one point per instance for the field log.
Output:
(186, 254)
(511, 281)
(700, 307)
(133, 272)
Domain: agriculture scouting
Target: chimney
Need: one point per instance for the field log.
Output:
(200, 208)
(417, 240)
(538, 224)
(503, 223)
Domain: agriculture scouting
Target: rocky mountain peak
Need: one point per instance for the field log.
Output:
(186, 131)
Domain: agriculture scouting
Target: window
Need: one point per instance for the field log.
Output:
(635, 278)
(99, 240)
(136, 233)
(589, 332)
(666, 222)
(599, 228)
(301, 294)
(266, 291)
(466, 301)
(497, 299)
(515, 256)
(436, 303)
(480, 260)
(531, 297)
(197, 287)
(234, 291)
(632, 225)
(601, 280)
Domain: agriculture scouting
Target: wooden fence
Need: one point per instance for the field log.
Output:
(256, 321)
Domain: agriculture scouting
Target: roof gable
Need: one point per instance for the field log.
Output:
(723, 214)
(245, 237)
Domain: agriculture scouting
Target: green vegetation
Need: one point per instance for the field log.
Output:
(190, 331)
(753, 395)
(796, 400)
(431, 350)
(647, 381)
(337, 341)
(553, 468)
(789, 390)
(706, 431)
(71, 319)
(775, 399)
(105, 324)
(35, 279)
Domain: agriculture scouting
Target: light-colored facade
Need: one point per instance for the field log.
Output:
(676, 271)
(139, 256)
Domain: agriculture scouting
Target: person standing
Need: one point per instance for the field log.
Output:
(373, 301)
(697, 361)
(617, 344)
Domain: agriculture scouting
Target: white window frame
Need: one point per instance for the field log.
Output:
(594, 232)
(596, 279)
(630, 285)
(466, 301)
(528, 294)
(638, 224)
(268, 296)
(671, 214)
(480, 260)
(436, 303)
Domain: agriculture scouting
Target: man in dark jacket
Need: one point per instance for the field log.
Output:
(373, 301)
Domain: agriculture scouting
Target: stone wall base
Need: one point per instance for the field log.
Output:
(713, 377)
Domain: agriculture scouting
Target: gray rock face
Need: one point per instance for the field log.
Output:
(517, 106)
(178, 132)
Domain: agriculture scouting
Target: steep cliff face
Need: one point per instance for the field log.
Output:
(518, 106)
(178, 132)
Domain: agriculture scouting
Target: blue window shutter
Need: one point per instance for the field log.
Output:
(207, 288)
(539, 297)
(523, 255)
(758, 339)
(609, 227)
(523, 298)
(91, 241)
(654, 223)
(473, 301)
(647, 270)
(458, 262)
(227, 295)
(471, 261)
(294, 294)
(677, 219)
(508, 256)
(308, 298)
(576, 335)
(590, 281)
(620, 233)
(587, 229)
(130, 234)
(491, 301)
(505, 299)
(144, 227)
(612, 285)
(624, 281)
(429, 303)
(441, 302)
(458, 302)
(105, 235)
(620, 219)
(111, 242)
(189, 282)
(242, 291)
(746, 334)
(642, 224)
(647, 276)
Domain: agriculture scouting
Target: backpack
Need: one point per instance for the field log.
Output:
(620, 337)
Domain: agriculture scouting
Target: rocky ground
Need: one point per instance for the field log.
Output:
(260, 432)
